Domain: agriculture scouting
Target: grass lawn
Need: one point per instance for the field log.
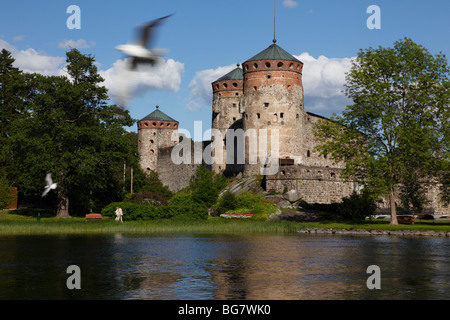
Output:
(13, 224)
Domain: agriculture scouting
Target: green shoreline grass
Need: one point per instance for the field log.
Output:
(11, 224)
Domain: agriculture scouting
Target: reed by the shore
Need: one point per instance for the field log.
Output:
(11, 224)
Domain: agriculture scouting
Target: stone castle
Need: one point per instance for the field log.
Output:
(260, 99)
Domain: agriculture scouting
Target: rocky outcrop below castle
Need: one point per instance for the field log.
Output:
(371, 232)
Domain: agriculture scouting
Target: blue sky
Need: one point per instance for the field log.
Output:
(206, 38)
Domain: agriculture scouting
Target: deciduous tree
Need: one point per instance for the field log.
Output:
(397, 126)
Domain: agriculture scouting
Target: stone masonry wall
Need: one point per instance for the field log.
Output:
(314, 184)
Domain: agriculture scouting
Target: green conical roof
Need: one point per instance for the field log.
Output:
(235, 74)
(158, 116)
(274, 52)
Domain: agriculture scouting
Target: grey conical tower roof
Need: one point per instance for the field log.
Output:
(235, 74)
(274, 52)
(158, 115)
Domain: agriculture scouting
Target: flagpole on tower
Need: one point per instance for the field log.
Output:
(274, 38)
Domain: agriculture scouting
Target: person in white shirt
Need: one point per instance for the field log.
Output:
(119, 214)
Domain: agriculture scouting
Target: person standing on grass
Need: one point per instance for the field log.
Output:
(119, 214)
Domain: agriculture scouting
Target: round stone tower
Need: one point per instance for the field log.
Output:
(155, 131)
(227, 95)
(273, 100)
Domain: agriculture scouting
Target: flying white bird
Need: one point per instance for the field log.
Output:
(50, 185)
(139, 52)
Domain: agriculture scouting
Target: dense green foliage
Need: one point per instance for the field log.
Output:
(6, 196)
(134, 211)
(180, 205)
(187, 205)
(205, 185)
(226, 202)
(356, 206)
(245, 202)
(63, 125)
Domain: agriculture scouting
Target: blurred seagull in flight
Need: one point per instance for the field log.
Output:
(50, 185)
(139, 52)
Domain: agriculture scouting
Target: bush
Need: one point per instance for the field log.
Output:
(133, 211)
(356, 206)
(227, 202)
(152, 198)
(184, 204)
(205, 185)
(256, 203)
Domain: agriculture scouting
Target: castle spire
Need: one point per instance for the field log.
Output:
(274, 38)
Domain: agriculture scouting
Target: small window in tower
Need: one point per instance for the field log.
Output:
(308, 153)
(268, 64)
(146, 124)
(269, 76)
(234, 118)
(235, 84)
(234, 105)
(152, 151)
(255, 65)
(225, 85)
(258, 115)
(266, 105)
(168, 125)
(154, 124)
(280, 64)
(237, 93)
(217, 86)
(151, 141)
(297, 116)
(281, 115)
(255, 88)
(275, 117)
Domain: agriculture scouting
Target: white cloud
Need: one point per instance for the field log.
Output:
(290, 3)
(18, 38)
(323, 82)
(201, 90)
(125, 85)
(79, 44)
(31, 61)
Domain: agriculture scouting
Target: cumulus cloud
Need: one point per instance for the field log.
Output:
(18, 38)
(290, 3)
(79, 44)
(31, 61)
(200, 86)
(125, 85)
(323, 82)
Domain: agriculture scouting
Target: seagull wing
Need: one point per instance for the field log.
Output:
(48, 179)
(146, 30)
(47, 189)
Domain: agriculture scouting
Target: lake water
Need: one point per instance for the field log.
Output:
(198, 266)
